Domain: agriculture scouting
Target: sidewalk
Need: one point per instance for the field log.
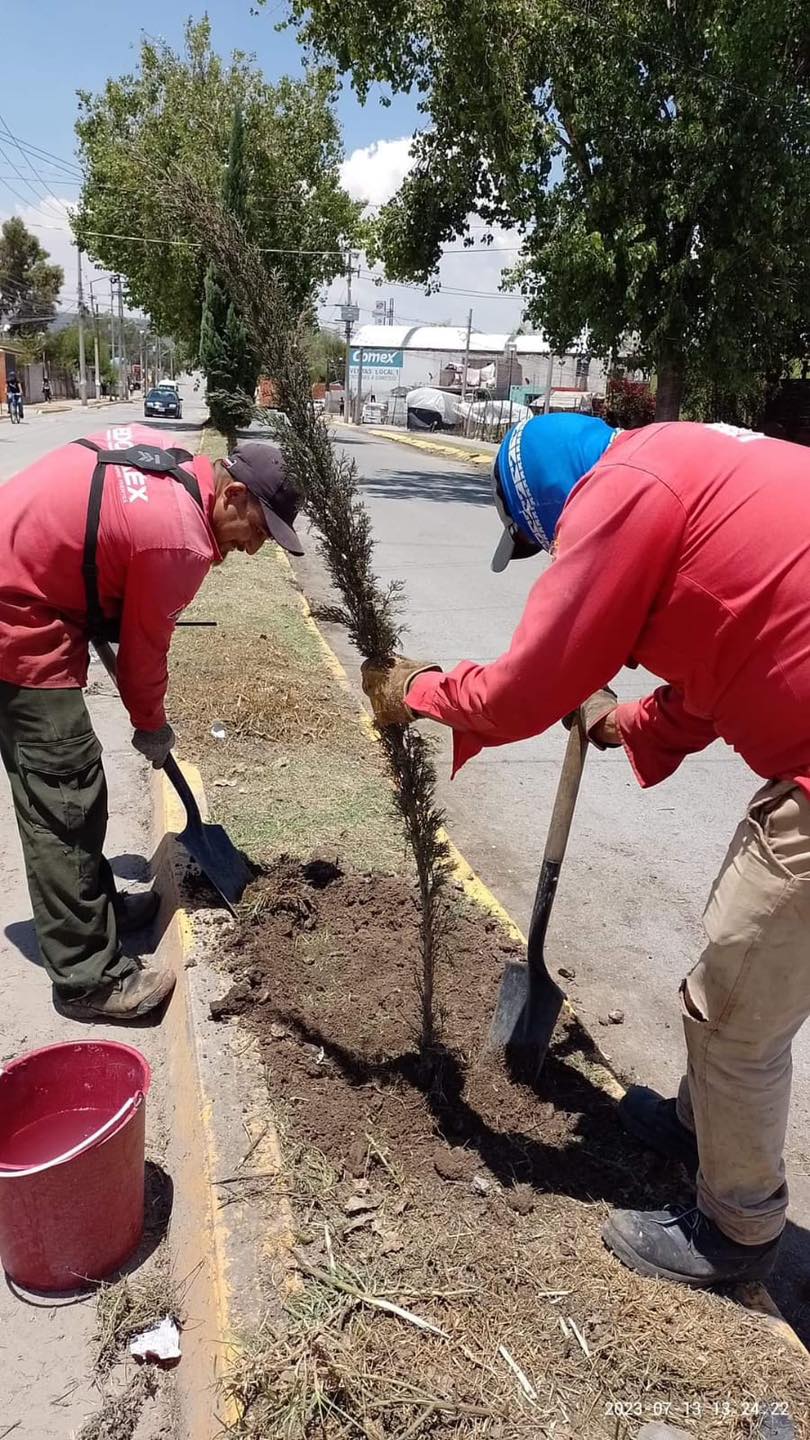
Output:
(60, 407)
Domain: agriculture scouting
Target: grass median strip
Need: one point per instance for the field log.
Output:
(293, 772)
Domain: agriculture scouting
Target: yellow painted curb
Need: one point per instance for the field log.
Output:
(189, 1090)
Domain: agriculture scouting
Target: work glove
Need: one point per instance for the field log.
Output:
(591, 711)
(155, 744)
(386, 686)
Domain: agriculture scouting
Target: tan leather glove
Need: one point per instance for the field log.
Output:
(386, 687)
(592, 710)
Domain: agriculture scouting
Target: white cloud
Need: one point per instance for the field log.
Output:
(49, 221)
(375, 172)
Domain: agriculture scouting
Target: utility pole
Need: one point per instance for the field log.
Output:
(113, 352)
(82, 366)
(466, 358)
(358, 416)
(96, 355)
(347, 379)
(122, 337)
(143, 371)
(549, 378)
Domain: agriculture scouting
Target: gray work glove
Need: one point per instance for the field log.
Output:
(155, 744)
(592, 710)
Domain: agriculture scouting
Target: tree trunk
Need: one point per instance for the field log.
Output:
(668, 397)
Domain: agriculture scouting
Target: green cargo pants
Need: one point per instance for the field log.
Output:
(53, 760)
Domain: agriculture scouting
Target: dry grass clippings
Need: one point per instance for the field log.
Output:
(131, 1305)
(119, 1414)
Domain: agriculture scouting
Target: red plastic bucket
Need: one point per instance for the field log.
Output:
(72, 1122)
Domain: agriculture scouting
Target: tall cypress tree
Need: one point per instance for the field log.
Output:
(230, 366)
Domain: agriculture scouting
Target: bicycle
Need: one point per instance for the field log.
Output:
(15, 409)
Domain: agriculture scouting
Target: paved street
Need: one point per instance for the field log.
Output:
(640, 863)
(43, 430)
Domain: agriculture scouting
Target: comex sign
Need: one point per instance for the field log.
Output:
(381, 364)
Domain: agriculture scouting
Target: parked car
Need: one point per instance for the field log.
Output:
(165, 402)
(372, 413)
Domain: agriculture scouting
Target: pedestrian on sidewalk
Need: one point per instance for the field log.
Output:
(684, 548)
(93, 547)
(46, 390)
(14, 394)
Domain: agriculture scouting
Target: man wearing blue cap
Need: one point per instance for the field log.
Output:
(686, 549)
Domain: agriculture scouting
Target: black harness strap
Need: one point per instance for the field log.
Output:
(150, 461)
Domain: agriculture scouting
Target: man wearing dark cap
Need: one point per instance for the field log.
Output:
(90, 547)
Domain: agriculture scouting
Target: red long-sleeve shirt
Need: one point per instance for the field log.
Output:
(155, 548)
(687, 550)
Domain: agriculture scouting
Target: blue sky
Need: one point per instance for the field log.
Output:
(61, 46)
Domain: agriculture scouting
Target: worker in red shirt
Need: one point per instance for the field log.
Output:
(684, 548)
(108, 537)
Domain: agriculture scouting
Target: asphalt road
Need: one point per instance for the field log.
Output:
(627, 916)
(45, 428)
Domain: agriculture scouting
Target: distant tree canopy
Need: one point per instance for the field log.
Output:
(653, 157)
(173, 116)
(29, 282)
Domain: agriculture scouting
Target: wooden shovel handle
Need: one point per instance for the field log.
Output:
(567, 791)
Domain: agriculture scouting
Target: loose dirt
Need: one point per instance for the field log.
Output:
(470, 1197)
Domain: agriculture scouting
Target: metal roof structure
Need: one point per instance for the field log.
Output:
(446, 338)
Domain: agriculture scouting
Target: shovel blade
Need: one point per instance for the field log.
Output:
(212, 849)
(529, 1004)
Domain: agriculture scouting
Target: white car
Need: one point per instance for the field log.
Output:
(372, 413)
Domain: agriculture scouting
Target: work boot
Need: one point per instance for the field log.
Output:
(685, 1246)
(129, 999)
(650, 1118)
(135, 909)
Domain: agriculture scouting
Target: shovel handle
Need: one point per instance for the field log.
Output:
(171, 769)
(557, 839)
(567, 791)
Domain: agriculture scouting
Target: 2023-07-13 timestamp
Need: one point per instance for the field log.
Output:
(697, 1408)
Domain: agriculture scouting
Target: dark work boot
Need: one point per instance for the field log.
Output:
(133, 997)
(134, 910)
(650, 1118)
(685, 1246)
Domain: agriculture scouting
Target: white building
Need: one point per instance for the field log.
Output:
(398, 358)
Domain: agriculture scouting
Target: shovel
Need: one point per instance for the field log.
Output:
(209, 846)
(529, 1000)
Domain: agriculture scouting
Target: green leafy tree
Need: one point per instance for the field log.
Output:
(230, 366)
(29, 283)
(326, 353)
(172, 117)
(654, 158)
(62, 350)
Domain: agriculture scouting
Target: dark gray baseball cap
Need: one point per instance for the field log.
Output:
(260, 468)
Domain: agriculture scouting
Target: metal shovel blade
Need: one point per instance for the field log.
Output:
(209, 846)
(527, 1010)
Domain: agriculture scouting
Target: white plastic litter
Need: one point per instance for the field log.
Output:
(161, 1343)
(218, 730)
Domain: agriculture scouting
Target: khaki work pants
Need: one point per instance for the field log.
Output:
(743, 1003)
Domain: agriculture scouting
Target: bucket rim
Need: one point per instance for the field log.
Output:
(111, 1127)
(65, 1045)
